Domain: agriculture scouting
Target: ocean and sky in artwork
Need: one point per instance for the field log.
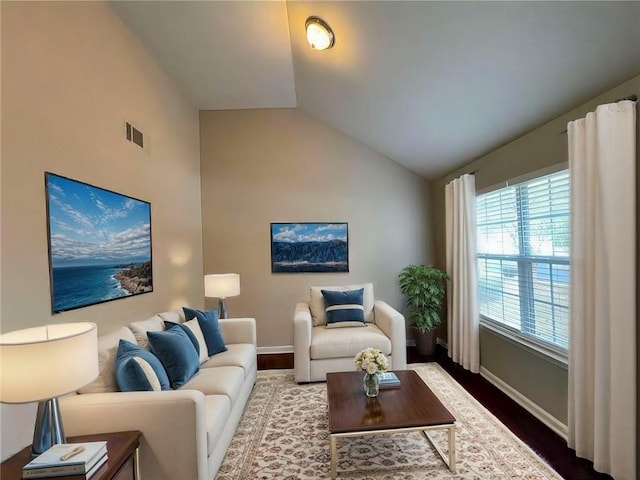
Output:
(99, 244)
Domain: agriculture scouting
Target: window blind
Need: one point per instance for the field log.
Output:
(523, 257)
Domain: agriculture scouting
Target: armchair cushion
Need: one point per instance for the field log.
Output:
(344, 309)
(316, 302)
(347, 342)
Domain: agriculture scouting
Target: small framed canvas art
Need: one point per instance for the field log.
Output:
(309, 247)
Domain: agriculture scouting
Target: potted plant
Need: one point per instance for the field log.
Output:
(424, 287)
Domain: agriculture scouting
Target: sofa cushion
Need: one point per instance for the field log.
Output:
(140, 329)
(347, 342)
(210, 328)
(177, 354)
(316, 302)
(238, 355)
(218, 381)
(217, 410)
(344, 309)
(107, 353)
(175, 316)
(138, 369)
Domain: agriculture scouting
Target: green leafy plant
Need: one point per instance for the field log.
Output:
(424, 287)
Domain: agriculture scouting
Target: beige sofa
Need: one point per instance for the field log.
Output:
(318, 350)
(185, 432)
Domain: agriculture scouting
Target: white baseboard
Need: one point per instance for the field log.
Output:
(276, 349)
(534, 409)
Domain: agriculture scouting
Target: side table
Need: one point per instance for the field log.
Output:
(122, 458)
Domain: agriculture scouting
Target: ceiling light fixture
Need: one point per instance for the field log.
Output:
(319, 34)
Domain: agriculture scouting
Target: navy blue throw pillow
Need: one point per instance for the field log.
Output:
(208, 322)
(168, 325)
(177, 354)
(344, 309)
(138, 369)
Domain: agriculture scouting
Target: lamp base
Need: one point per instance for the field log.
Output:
(222, 308)
(48, 430)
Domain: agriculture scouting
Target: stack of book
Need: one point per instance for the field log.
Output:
(67, 459)
(389, 380)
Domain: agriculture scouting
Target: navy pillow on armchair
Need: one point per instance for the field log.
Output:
(344, 309)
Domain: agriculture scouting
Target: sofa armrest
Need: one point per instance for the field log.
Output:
(173, 426)
(238, 330)
(302, 326)
(392, 323)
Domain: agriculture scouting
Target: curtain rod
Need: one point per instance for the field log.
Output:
(633, 98)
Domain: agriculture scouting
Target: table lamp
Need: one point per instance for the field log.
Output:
(222, 285)
(41, 363)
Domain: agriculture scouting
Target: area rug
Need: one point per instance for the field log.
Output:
(284, 434)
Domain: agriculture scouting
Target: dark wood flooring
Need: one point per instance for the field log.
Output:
(548, 445)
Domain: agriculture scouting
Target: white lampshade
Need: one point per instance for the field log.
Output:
(222, 285)
(45, 362)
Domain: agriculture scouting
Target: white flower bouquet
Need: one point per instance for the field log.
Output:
(372, 361)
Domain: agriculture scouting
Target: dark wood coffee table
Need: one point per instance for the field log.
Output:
(412, 407)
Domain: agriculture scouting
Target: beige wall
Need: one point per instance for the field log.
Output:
(71, 74)
(281, 165)
(540, 380)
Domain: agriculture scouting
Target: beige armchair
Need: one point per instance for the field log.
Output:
(319, 350)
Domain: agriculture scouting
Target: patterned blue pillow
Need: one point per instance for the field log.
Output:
(138, 369)
(177, 354)
(344, 309)
(208, 322)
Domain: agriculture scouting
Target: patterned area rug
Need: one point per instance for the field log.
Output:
(284, 435)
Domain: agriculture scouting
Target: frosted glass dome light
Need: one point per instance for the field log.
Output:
(319, 34)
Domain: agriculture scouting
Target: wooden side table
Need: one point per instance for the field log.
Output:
(122, 458)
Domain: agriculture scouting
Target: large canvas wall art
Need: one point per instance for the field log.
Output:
(99, 244)
(309, 247)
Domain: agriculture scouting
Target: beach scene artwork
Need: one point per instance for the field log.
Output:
(99, 244)
(309, 247)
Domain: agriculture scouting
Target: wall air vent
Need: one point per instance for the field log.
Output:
(134, 135)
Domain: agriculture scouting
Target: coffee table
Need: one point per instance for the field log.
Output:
(412, 407)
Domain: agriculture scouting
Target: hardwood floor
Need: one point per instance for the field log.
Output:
(542, 440)
(529, 429)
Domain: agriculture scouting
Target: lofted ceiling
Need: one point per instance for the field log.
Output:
(431, 85)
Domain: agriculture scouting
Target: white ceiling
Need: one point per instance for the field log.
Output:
(431, 85)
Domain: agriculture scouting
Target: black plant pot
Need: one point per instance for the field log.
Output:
(426, 342)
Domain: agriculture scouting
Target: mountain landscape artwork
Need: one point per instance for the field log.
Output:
(99, 244)
(309, 247)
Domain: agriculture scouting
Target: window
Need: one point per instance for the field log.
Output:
(523, 259)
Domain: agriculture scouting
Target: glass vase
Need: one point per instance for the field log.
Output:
(371, 384)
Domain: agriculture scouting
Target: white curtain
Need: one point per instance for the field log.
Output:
(463, 319)
(602, 345)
